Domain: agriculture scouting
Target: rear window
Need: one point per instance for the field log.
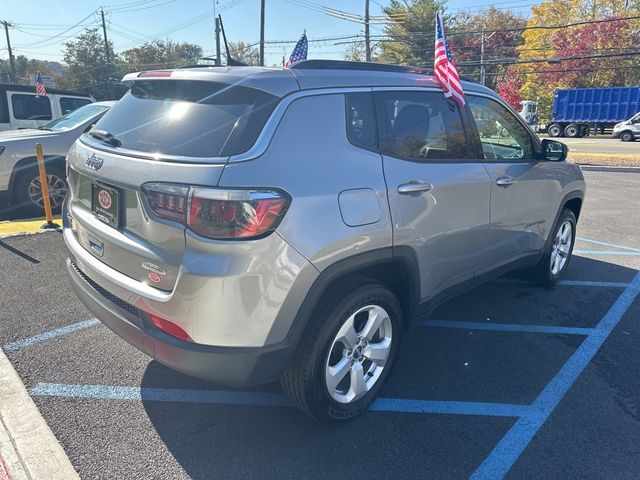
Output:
(30, 107)
(69, 104)
(188, 118)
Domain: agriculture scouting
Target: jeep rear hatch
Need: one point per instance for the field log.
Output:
(185, 119)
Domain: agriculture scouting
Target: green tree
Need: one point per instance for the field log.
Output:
(411, 33)
(87, 66)
(27, 67)
(160, 54)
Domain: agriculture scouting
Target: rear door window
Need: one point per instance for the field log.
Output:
(421, 126)
(69, 104)
(188, 118)
(30, 107)
(361, 127)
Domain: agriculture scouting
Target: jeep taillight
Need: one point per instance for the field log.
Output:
(219, 213)
(167, 201)
(228, 214)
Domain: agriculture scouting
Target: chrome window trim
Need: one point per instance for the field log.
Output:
(97, 145)
(264, 139)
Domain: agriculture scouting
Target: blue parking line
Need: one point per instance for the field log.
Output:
(507, 327)
(27, 342)
(605, 244)
(509, 449)
(454, 408)
(265, 399)
(587, 283)
(564, 283)
(607, 252)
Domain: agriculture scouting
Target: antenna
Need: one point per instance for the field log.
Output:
(230, 61)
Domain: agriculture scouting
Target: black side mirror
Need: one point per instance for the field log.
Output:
(554, 151)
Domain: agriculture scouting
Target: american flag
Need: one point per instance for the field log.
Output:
(445, 70)
(299, 53)
(40, 90)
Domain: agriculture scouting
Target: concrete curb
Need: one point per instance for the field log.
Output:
(28, 448)
(11, 228)
(603, 168)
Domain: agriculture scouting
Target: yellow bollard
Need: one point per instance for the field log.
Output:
(45, 189)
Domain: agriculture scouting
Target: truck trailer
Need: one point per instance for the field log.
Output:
(577, 111)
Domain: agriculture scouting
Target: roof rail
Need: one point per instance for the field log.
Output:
(368, 66)
(346, 65)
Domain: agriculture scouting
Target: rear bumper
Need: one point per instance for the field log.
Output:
(228, 366)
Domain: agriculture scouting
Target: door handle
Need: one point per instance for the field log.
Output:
(505, 181)
(414, 187)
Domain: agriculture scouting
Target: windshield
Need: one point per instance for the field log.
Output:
(188, 118)
(74, 119)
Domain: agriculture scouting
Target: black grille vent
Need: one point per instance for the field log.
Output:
(127, 307)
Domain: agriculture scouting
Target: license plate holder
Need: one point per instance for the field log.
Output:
(105, 204)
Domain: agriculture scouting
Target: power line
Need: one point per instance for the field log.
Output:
(585, 69)
(45, 43)
(547, 60)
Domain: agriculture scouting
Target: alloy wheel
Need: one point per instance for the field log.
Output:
(358, 354)
(57, 191)
(561, 248)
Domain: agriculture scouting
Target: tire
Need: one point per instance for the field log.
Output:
(627, 137)
(559, 249)
(572, 131)
(321, 352)
(554, 130)
(26, 191)
(584, 131)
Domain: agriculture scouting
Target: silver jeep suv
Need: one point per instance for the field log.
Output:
(246, 224)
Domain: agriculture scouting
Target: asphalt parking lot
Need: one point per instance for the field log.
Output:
(506, 380)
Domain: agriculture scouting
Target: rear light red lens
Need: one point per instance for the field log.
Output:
(170, 328)
(155, 73)
(219, 213)
(226, 214)
(167, 201)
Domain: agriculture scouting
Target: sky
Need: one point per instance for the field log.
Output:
(42, 28)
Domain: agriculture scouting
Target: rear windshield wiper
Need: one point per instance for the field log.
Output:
(105, 137)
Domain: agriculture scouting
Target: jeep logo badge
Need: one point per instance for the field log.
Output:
(94, 163)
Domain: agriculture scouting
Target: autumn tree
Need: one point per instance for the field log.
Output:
(356, 52)
(574, 56)
(501, 40)
(245, 53)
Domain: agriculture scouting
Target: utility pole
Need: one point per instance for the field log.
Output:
(218, 56)
(482, 73)
(367, 38)
(104, 31)
(11, 60)
(107, 83)
(262, 33)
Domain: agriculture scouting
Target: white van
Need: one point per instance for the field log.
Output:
(628, 131)
(20, 107)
